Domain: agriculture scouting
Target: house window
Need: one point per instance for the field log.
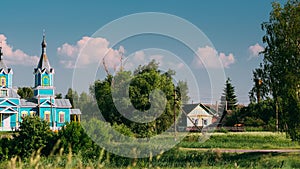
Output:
(32, 113)
(3, 93)
(47, 116)
(196, 122)
(61, 117)
(3, 81)
(204, 122)
(23, 114)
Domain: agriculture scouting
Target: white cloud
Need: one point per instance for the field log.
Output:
(16, 56)
(210, 58)
(91, 50)
(255, 50)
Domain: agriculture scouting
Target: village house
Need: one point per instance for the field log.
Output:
(197, 116)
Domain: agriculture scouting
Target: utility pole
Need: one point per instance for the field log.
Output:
(277, 116)
(175, 114)
(258, 83)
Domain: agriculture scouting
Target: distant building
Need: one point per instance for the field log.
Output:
(12, 108)
(196, 116)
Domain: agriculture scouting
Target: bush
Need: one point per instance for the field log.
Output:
(34, 134)
(252, 121)
(73, 137)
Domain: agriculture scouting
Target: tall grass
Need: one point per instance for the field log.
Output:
(175, 158)
(242, 140)
(172, 159)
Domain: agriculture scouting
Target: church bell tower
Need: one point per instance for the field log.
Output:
(43, 75)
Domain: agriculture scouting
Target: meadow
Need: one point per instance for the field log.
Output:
(180, 158)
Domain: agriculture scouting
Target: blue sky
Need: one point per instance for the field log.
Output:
(233, 26)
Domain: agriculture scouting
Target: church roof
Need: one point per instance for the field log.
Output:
(3, 66)
(75, 111)
(28, 102)
(44, 61)
(63, 103)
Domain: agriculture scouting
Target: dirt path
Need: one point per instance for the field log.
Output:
(224, 150)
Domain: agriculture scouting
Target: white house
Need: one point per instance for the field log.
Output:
(197, 115)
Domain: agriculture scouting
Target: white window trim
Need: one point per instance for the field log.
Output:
(61, 112)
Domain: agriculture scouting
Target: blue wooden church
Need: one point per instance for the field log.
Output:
(43, 104)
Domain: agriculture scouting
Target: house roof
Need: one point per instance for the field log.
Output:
(209, 110)
(190, 107)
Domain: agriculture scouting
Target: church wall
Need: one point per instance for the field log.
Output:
(47, 114)
(9, 85)
(66, 115)
(44, 92)
(28, 111)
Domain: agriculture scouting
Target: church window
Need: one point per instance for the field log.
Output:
(3, 81)
(3, 93)
(47, 116)
(46, 81)
(23, 114)
(61, 117)
(32, 113)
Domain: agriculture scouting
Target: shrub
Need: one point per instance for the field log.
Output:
(34, 134)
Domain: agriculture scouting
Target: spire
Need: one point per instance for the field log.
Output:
(44, 62)
(44, 44)
(2, 64)
(1, 51)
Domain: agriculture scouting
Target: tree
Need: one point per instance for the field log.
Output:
(25, 92)
(281, 64)
(58, 96)
(140, 95)
(228, 100)
(260, 88)
(183, 91)
(72, 96)
(34, 134)
(74, 136)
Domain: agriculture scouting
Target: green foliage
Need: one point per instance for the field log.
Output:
(34, 134)
(280, 69)
(123, 129)
(5, 148)
(25, 92)
(260, 114)
(260, 88)
(243, 140)
(228, 97)
(183, 90)
(73, 136)
(252, 121)
(72, 96)
(144, 94)
(58, 96)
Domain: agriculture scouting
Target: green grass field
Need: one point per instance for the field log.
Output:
(178, 158)
(241, 140)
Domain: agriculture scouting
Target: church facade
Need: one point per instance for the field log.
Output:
(43, 104)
